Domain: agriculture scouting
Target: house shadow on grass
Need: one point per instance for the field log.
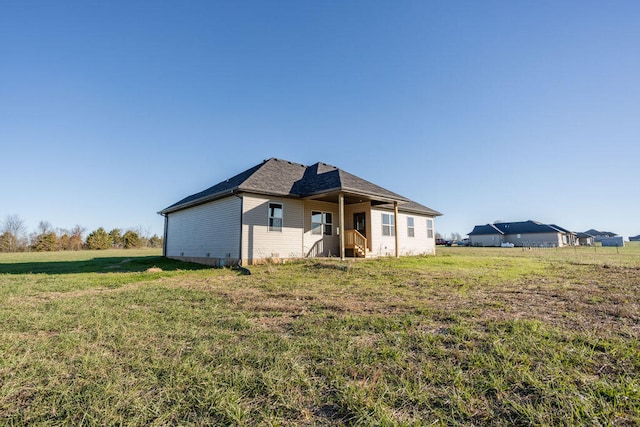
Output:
(100, 265)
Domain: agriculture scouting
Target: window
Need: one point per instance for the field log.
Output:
(275, 216)
(388, 225)
(321, 222)
(430, 228)
(410, 228)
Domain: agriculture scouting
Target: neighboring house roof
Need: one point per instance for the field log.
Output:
(479, 230)
(585, 235)
(597, 233)
(523, 227)
(276, 177)
(564, 230)
(634, 238)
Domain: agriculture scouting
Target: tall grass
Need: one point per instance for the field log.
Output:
(468, 337)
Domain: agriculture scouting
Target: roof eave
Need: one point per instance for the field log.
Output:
(220, 195)
(399, 198)
(199, 201)
(429, 212)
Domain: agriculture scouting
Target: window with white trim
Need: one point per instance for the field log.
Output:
(411, 231)
(388, 225)
(430, 228)
(275, 216)
(321, 223)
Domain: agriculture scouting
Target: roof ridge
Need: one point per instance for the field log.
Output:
(283, 160)
(496, 228)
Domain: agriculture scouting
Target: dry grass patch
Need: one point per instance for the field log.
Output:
(468, 337)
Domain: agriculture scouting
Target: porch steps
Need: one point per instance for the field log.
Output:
(359, 251)
(356, 242)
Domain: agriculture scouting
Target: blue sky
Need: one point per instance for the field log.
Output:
(492, 110)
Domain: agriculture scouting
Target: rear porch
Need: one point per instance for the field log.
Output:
(347, 226)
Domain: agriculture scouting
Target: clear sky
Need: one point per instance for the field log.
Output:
(483, 110)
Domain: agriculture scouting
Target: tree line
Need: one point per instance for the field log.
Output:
(15, 238)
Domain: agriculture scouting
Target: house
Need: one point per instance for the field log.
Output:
(585, 239)
(524, 233)
(635, 238)
(279, 209)
(599, 235)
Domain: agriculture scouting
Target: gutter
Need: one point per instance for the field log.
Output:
(164, 238)
(196, 202)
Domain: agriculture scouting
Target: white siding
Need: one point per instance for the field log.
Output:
(260, 243)
(319, 244)
(417, 245)
(486, 240)
(420, 243)
(211, 230)
(535, 239)
(527, 239)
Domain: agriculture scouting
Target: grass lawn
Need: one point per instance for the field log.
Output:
(467, 337)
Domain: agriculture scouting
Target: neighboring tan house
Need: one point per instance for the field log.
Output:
(279, 209)
(525, 233)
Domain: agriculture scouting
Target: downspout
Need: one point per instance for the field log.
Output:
(241, 227)
(395, 220)
(164, 238)
(341, 222)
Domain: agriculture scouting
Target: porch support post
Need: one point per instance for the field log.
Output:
(341, 223)
(395, 222)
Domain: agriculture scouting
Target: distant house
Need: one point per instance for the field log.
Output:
(525, 233)
(585, 239)
(635, 238)
(599, 235)
(280, 209)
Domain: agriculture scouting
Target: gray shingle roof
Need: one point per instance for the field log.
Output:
(479, 230)
(584, 235)
(597, 233)
(288, 179)
(523, 227)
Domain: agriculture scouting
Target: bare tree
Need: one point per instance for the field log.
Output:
(75, 237)
(14, 234)
(45, 227)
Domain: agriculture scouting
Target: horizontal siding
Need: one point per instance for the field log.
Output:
(380, 245)
(385, 245)
(526, 239)
(420, 243)
(486, 240)
(208, 230)
(535, 239)
(319, 244)
(260, 243)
